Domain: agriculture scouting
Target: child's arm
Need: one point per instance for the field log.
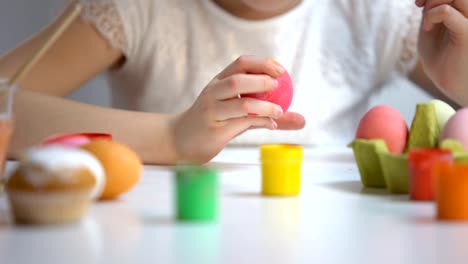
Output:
(38, 116)
(77, 57)
(443, 46)
(196, 135)
(419, 76)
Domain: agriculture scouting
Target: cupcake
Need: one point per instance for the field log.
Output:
(54, 185)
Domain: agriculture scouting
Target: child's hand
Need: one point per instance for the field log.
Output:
(443, 45)
(218, 114)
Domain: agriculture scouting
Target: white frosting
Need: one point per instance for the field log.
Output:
(57, 159)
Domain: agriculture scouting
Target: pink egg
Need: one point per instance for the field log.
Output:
(457, 128)
(281, 95)
(384, 122)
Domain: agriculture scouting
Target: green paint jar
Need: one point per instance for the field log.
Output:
(196, 193)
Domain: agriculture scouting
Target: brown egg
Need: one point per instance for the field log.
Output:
(122, 166)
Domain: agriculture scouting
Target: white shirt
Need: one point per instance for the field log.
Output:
(338, 52)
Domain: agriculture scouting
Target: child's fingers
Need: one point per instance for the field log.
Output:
(460, 5)
(252, 64)
(420, 3)
(237, 84)
(225, 110)
(238, 125)
(446, 14)
(291, 121)
(429, 4)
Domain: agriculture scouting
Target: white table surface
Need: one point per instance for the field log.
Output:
(334, 220)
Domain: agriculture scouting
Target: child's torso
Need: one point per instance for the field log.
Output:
(335, 68)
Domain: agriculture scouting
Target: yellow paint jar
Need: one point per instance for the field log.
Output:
(281, 169)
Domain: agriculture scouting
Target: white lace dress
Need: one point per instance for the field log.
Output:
(338, 52)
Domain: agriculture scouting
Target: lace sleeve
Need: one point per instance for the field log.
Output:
(105, 17)
(408, 56)
(396, 37)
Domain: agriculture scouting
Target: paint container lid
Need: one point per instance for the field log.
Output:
(74, 139)
(281, 153)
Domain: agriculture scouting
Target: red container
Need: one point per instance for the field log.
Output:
(75, 139)
(421, 164)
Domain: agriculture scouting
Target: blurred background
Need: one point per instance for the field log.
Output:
(19, 19)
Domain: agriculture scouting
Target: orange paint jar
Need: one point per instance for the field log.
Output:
(451, 191)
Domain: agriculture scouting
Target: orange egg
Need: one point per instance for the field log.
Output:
(123, 167)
